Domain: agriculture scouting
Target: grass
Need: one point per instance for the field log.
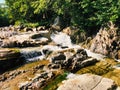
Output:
(53, 84)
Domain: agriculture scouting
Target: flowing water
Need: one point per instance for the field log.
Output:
(64, 40)
(61, 39)
(37, 53)
(32, 54)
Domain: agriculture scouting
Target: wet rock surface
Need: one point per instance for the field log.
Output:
(10, 75)
(39, 75)
(28, 76)
(24, 40)
(49, 56)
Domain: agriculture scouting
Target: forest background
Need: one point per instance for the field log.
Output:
(87, 15)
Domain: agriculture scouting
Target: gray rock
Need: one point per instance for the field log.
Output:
(40, 28)
(88, 62)
(76, 35)
(54, 66)
(75, 62)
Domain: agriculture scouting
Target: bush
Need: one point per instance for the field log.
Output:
(4, 19)
(91, 14)
(86, 14)
(26, 24)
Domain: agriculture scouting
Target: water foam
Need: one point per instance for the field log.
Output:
(36, 53)
(64, 40)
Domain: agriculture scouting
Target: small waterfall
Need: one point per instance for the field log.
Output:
(51, 48)
(64, 40)
(32, 54)
(39, 53)
(61, 39)
(95, 55)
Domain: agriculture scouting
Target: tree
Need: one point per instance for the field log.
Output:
(4, 20)
(19, 9)
(88, 15)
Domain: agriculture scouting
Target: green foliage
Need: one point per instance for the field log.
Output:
(86, 14)
(19, 22)
(4, 20)
(90, 14)
(40, 5)
(32, 24)
(20, 9)
(27, 24)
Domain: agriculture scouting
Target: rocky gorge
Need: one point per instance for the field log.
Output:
(45, 59)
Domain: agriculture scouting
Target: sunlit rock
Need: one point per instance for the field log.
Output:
(107, 41)
(88, 82)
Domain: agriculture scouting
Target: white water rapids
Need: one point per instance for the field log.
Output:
(62, 39)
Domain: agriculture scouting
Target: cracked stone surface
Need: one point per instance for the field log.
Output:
(88, 82)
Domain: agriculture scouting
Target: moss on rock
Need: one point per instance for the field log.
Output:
(99, 68)
(105, 69)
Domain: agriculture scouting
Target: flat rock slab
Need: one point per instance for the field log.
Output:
(9, 58)
(6, 53)
(87, 82)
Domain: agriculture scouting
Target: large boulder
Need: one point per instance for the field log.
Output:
(88, 82)
(107, 41)
(76, 34)
(9, 58)
(40, 28)
(79, 60)
(71, 62)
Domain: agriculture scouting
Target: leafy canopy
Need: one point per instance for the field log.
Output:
(86, 14)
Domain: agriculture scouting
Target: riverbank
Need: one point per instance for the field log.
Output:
(47, 57)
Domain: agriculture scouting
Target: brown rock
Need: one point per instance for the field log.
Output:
(106, 41)
(67, 30)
